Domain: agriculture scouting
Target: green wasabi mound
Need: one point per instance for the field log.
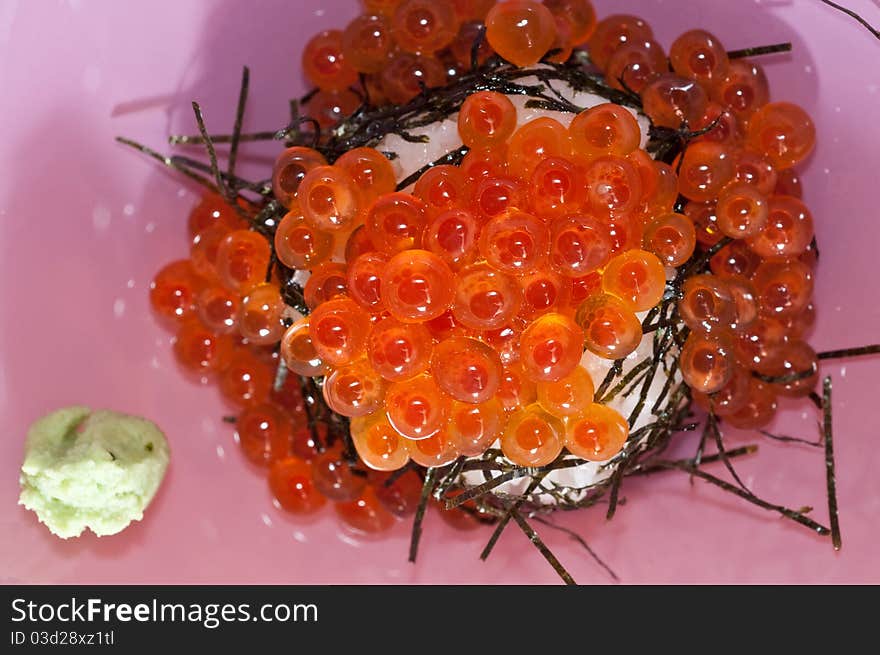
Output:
(96, 470)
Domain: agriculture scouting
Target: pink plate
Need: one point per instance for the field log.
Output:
(85, 223)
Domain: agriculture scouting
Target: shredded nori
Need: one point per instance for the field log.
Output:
(642, 453)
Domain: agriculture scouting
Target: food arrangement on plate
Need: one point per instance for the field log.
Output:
(507, 255)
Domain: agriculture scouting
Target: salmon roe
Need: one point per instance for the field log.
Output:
(473, 307)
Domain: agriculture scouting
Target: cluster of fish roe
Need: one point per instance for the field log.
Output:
(228, 323)
(454, 315)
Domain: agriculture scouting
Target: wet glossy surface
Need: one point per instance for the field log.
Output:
(85, 224)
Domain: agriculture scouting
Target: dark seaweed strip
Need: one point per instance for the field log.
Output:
(239, 117)
(196, 140)
(453, 157)
(787, 439)
(829, 464)
(580, 540)
(722, 452)
(542, 548)
(427, 488)
(169, 162)
(212, 155)
(616, 482)
(505, 519)
(760, 50)
(873, 349)
(791, 514)
(486, 487)
(849, 12)
(634, 371)
(649, 467)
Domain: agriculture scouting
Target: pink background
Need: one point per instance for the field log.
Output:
(84, 224)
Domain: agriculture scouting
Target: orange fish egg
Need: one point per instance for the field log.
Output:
(756, 170)
(787, 231)
(378, 444)
(758, 409)
(417, 286)
(338, 330)
(705, 168)
(551, 347)
(596, 434)
(614, 186)
(246, 379)
(289, 170)
(637, 277)
(475, 427)
(370, 170)
(706, 362)
(671, 237)
(533, 142)
(299, 352)
(355, 389)
(437, 450)
(743, 90)
(485, 298)
(728, 399)
(466, 369)
(395, 222)
(605, 129)
(323, 62)
(262, 311)
(517, 388)
(326, 282)
(366, 515)
(452, 235)
(706, 303)
(424, 26)
(579, 14)
(568, 395)
(556, 188)
(783, 132)
(514, 242)
(335, 478)
(364, 280)
(611, 328)
(290, 481)
(201, 351)
(407, 74)
(741, 210)
(174, 290)
(263, 432)
(578, 245)
(614, 32)
(699, 55)
(398, 351)
(532, 437)
(543, 291)
(328, 199)
(520, 31)
(300, 245)
(783, 287)
(486, 118)
(441, 188)
(417, 408)
(219, 308)
(736, 258)
(673, 101)
(243, 260)
(635, 64)
(367, 42)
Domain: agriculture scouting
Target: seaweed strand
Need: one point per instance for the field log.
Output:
(542, 547)
(427, 488)
(580, 540)
(829, 464)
